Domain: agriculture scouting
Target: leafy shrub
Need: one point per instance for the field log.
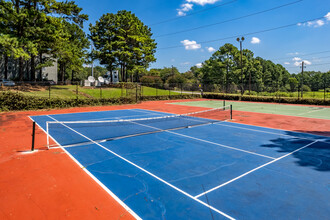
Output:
(11, 101)
(268, 99)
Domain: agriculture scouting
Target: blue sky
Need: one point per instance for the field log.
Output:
(308, 41)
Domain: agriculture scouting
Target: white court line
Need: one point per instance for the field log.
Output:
(221, 145)
(244, 174)
(209, 142)
(93, 177)
(150, 111)
(266, 132)
(151, 174)
(312, 111)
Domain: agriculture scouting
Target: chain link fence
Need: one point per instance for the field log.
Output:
(140, 91)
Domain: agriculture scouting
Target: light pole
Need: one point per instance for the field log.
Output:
(302, 77)
(240, 43)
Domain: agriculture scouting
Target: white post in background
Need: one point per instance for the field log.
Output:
(47, 134)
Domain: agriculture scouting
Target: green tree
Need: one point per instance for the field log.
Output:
(122, 40)
(73, 53)
(293, 83)
(37, 27)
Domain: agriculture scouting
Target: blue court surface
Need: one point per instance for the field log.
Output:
(222, 170)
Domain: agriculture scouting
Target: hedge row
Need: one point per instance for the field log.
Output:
(289, 100)
(171, 97)
(10, 101)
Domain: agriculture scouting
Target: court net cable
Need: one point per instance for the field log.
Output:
(71, 133)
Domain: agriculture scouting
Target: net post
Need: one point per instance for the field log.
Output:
(231, 112)
(33, 134)
(224, 103)
(47, 131)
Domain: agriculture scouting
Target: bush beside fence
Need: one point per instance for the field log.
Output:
(288, 100)
(15, 101)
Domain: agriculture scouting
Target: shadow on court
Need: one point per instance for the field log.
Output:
(316, 156)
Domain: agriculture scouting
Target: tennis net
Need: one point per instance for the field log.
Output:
(74, 133)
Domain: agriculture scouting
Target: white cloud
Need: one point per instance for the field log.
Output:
(297, 63)
(306, 62)
(286, 63)
(210, 49)
(255, 40)
(203, 2)
(199, 65)
(190, 45)
(185, 63)
(184, 8)
(294, 53)
(317, 23)
(181, 13)
(188, 6)
(296, 59)
(327, 16)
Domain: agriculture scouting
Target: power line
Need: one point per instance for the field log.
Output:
(247, 34)
(284, 58)
(193, 13)
(319, 64)
(229, 20)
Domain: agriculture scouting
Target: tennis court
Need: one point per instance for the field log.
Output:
(318, 112)
(197, 166)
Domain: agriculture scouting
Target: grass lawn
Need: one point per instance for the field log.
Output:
(69, 91)
(103, 92)
(55, 92)
(149, 91)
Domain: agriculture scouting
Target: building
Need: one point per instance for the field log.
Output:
(47, 73)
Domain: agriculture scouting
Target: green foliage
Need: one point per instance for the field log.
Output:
(293, 82)
(267, 99)
(29, 28)
(73, 54)
(17, 101)
(151, 80)
(121, 39)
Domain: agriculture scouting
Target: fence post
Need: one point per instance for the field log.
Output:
(324, 89)
(101, 92)
(33, 134)
(49, 90)
(181, 90)
(136, 93)
(231, 112)
(77, 90)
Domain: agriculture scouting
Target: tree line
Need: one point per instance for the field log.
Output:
(34, 33)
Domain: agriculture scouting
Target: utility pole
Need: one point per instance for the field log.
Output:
(92, 60)
(241, 49)
(302, 77)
